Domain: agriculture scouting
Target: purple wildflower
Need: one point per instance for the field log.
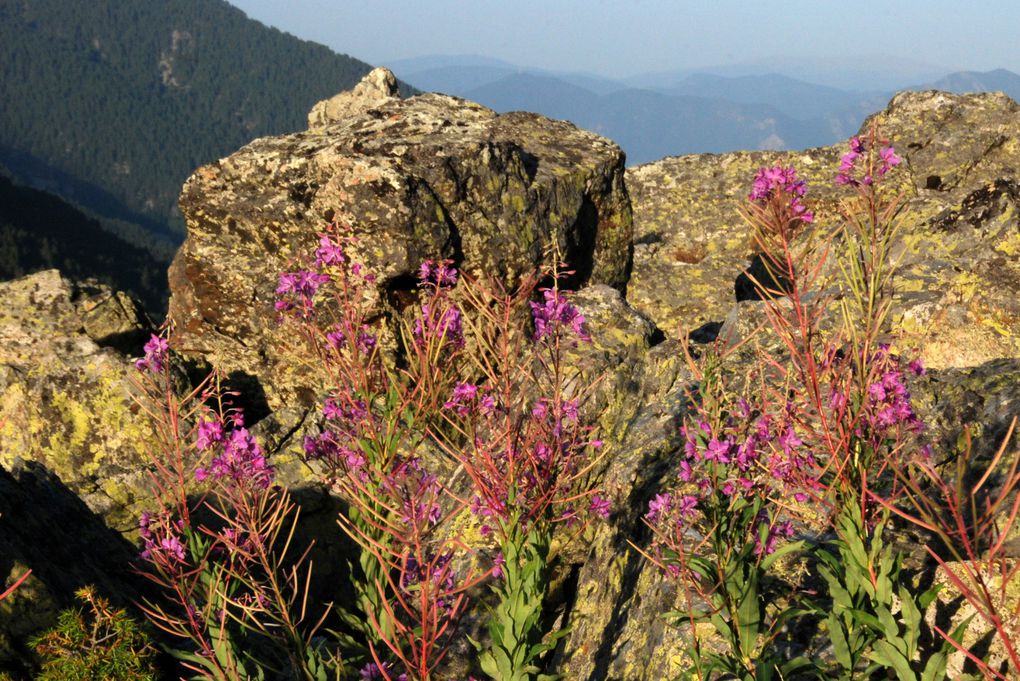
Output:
(555, 312)
(659, 507)
(242, 461)
(336, 338)
(889, 160)
(438, 273)
(448, 327)
(497, 565)
(209, 432)
(463, 398)
(156, 351)
(329, 253)
(371, 672)
(298, 288)
(172, 546)
(687, 505)
(366, 342)
(599, 506)
(772, 182)
(774, 533)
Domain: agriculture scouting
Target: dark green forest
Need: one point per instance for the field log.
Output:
(111, 104)
(40, 231)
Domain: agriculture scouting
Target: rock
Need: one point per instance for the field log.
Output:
(374, 89)
(45, 527)
(66, 400)
(949, 611)
(617, 629)
(958, 252)
(426, 177)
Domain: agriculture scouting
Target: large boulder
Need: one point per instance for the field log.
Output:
(427, 177)
(65, 390)
(959, 249)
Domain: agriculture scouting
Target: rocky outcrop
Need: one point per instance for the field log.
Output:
(427, 177)
(72, 448)
(438, 177)
(374, 90)
(65, 390)
(958, 252)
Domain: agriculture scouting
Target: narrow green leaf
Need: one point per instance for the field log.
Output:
(840, 647)
(886, 655)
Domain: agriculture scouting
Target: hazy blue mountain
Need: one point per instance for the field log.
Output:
(454, 80)
(866, 73)
(440, 61)
(999, 80)
(796, 98)
(546, 95)
(670, 114)
(649, 125)
(457, 74)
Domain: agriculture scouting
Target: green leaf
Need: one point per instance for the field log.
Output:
(911, 617)
(886, 655)
(839, 644)
(841, 598)
(780, 552)
(749, 618)
(890, 627)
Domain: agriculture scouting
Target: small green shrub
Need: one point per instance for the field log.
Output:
(97, 642)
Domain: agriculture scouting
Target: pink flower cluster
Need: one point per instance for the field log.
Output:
(749, 456)
(162, 538)
(157, 349)
(778, 182)
(241, 461)
(298, 289)
(858, 149)
(888, 403)
(437, 273)
(466, 399)
(555, 312)
(443, 324)
(439, 319)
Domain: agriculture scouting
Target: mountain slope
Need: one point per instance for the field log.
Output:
(39, 231)
(112, 103)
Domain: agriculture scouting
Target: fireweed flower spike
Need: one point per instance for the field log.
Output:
(555, 309)
(850, 171)
(771, 183)
(298, 289)
(156, 351)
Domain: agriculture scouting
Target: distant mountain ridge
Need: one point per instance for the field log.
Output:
(113, 103)
(680, 112)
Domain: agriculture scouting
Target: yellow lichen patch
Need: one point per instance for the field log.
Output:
(1010, 245)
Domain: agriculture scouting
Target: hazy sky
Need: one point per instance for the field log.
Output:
(625, 37)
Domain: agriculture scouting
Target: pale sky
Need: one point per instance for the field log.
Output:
(624, 37)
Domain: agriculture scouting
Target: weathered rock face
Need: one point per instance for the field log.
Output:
(72, 448)
(65, 399)
(960, 239)
(428, 177)
(374, 90)
(45, 527)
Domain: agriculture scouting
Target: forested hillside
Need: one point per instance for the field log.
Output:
(113, 103)
(39, 231)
